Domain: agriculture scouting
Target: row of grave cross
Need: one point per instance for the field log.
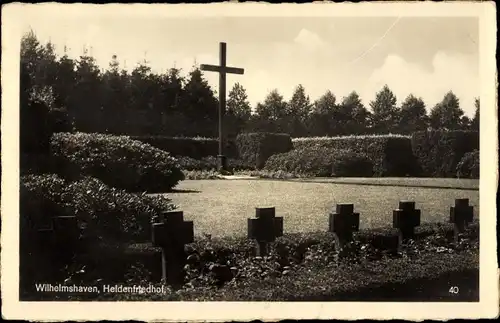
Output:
(172, 232)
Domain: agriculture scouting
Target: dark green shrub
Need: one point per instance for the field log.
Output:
(348, 163)
(468, 166)
(196, 148)
(256, 148)
(440, 151)
(106, 213)
(321, 162)
(209, 163)
(116, 160)
(391, 154)
(39, 118)
(106, 217)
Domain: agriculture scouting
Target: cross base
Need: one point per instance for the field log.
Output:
(221, 163)
(262, 249)
(173, 266)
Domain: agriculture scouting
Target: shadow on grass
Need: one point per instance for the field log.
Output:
(337, 182)
(460, 286)
(183, 191)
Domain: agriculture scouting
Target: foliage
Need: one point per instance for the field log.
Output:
(142, 102)
(105, 213)
(352, 117)
(468, 166)
(200, 104)
(227, 268)
(385, 112)
(209, 163)
(475, 120)
(321, 162)
(322, 120)
(105, 216)
(41, 112)
(256, 148)
(447, 114)
(440, 151)
(116, 160)
(238, 110)
(298, 111)
(413, 116)
(201, 174)
(195, 147)
(391, 154)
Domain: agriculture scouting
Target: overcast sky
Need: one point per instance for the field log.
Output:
(422, 55)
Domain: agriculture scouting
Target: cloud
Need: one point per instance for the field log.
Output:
(450, 72)
(309, 40)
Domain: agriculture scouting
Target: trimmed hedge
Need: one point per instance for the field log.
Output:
(196, 147)
(440, 151)
(209, 163)
(321, 162)
(468, 166)
(106, 213)
(391, 154)
(256, 148)
(105, 216)
(116, 160)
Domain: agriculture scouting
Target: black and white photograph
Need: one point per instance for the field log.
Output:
(252, 161)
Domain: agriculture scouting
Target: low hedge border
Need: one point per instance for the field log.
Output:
(194, 147)
(317, 161)
(309, 269)
(391, 155)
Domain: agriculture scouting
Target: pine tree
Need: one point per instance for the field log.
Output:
(413, 115)
(322, 121)
(385, 112)
(447, 114)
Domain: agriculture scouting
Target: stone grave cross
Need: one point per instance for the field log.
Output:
(460, 215)
(62, 231)
(222, 69)
(171, 234)
(265, 229)
(343, 223)
(405, 219)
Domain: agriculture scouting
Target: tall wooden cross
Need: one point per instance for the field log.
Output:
(222, 69)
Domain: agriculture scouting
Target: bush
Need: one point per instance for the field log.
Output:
(440, 151)
(468, 166)
(39, 118)
(348, 163)
(106, 213)
(256, 148)
(316, 161)
(226, 269)
(105, 216)
(196, 148)
(391, 154)
(209, 164)
(116, 160)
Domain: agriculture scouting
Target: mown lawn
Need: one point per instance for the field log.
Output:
(221, 207)
(472, 184)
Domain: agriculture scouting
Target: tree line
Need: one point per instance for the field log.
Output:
(87, 98)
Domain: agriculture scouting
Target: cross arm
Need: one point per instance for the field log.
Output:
(226, 69)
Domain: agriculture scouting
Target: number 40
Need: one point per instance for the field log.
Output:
(454, 290)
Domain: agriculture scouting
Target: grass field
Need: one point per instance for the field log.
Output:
(467, 184)
(221, 207)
